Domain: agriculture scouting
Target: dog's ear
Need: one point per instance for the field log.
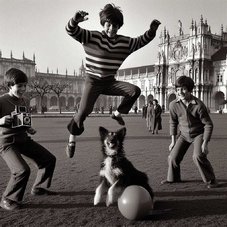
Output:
(102, 131)
(122, 132)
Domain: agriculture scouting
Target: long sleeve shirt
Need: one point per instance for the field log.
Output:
(7, 106)
(104, 55)
(192, 120)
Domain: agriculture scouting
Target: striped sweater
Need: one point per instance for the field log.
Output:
(105, 55)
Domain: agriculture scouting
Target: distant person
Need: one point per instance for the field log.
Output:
(135, 109)
(102, 109)
(157, 119)
(110, 109)
(150, 115)
(105, 52)
(144, 111)
(15, 144)
(195, 125)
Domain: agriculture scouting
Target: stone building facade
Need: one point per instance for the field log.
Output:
(69, 98)
(200, 54)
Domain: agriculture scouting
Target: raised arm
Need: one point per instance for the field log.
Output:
(141, 41)
(72, 27)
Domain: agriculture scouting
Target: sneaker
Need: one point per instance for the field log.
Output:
(170, 182)
(42, 191)
(9, 204)
(212, 184)
(70, 149)
(119, 119)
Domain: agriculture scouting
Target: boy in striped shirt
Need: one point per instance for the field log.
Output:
(105, 52)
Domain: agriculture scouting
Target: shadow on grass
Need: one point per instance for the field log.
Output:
(61, 205)
(179, 209)
(93, 139)
(74, 193)
(163, 210)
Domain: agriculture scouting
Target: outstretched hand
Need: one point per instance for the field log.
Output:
(80, 16)
(154, 25)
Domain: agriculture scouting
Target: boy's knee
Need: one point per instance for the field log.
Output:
(54, 159)
(25, 172)
(198, 157)
(136, 91)
(172, 160)
(51, 161)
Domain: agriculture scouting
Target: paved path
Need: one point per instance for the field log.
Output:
(186, 204)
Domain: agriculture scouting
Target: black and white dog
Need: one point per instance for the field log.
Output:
(117, 172)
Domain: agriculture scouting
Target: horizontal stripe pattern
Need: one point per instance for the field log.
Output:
(105, 55)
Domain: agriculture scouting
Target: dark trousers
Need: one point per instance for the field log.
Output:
(199, 158)
(106, 86)
(20, 171)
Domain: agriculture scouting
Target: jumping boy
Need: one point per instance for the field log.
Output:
(15, 142)
(105, 52)
(195, 126)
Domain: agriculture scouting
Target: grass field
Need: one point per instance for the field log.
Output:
(185, 204)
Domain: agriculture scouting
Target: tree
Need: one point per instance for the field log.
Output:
(41, 87)
(3, 88)
(58, 88)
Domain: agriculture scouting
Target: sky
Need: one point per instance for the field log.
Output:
(38, 27)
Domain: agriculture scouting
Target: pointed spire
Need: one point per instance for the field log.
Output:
(23, 55)
(11, 54)
(180, 27)
(34, 57)
(222, 29)
(192, 25)
(201, 19)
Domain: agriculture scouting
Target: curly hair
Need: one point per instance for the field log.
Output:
(111, 13)
(185, 81)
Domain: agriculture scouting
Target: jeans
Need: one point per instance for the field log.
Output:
(20, 171)
(199, 158)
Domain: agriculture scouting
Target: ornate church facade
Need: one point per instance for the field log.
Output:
(200, 54)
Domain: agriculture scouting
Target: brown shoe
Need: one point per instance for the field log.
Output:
(9, 204)
(70, 149)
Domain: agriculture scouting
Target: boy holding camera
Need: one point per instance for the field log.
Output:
(15, 124)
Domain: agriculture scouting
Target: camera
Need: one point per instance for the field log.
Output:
(20, 117)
